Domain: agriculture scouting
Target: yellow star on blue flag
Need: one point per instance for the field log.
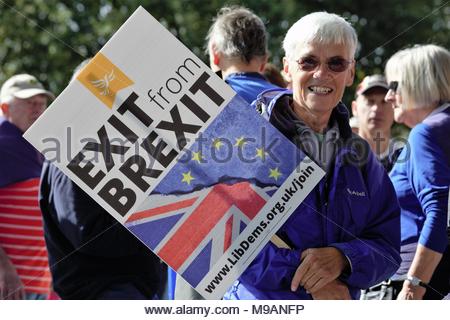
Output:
(240, 142)
(275, 173)
(217, 143)
(260, 153)
(197, 156)
(187, 177)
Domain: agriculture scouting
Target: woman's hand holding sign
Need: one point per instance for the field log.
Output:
(318, 268)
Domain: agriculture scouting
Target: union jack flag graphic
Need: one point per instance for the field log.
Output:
(191, 232)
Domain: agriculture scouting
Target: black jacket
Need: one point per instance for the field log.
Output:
(88, 249)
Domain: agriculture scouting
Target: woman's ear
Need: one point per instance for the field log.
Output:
(351, 75)
(286, 70)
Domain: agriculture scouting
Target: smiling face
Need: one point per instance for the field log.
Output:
(319, 90)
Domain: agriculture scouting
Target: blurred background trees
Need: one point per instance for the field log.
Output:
(49, 38)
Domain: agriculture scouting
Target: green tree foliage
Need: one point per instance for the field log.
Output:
(49, 38)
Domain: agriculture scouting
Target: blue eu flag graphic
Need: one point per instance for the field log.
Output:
(239, 145)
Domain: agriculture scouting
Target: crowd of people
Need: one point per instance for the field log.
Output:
(376, 226)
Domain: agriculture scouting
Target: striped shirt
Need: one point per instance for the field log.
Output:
(22, 234)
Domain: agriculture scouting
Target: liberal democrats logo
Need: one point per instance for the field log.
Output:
(103, 79)
(104, 83)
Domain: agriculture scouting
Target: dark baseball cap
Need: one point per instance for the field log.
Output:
(373, 81)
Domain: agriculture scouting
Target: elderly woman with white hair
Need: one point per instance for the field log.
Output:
(420, 93)
(346, 233)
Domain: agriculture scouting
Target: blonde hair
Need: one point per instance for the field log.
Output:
(423, 74)
(320, 27)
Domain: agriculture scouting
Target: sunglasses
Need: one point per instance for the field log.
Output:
(335, 64)
(393, 85)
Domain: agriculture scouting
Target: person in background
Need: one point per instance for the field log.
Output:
(419, 91)
(345, 235)
(24, 270)
(237, 47)
(375, 117)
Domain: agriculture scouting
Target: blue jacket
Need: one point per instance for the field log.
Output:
(19, 160)
(353, 208)
(421, 179)
(249, 84)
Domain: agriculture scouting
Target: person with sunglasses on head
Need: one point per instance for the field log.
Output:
(419, 91)
(345, 234)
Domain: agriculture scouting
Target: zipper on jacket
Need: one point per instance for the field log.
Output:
(325, 205)
(324, 198)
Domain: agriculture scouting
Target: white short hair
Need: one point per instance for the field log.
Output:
(323, 28)
(423, 74)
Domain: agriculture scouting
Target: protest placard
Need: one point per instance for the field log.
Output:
(170, 150)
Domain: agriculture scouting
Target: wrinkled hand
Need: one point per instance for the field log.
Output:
(11, 288)
(410, 292)
(318, 267)
(334, 290)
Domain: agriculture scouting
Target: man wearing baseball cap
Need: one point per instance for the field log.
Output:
(23, 99)
(375, 117)
(24, 271)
